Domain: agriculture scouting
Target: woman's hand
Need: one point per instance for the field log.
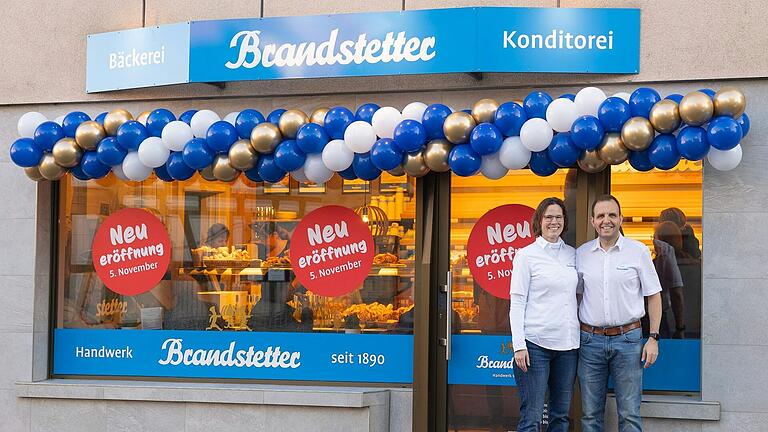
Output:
(522, 360)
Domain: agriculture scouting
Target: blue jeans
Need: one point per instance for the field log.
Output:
(553, 370)
(618, 357)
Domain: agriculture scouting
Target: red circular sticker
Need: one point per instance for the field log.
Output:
(332, 251)
(131, 251)
(492, 244)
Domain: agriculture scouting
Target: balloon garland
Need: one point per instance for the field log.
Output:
(587, 130)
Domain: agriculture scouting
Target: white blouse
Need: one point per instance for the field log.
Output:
(543, 307)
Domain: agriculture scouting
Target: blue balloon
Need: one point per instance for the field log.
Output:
(385, 154)
(510, 118)
(364, 167)
(562, 151)
(642, 100)
(246, 121)
(485, 139)
(100, 118)
(130, 134)
(288, 156)
(72, 121)
(162, 173)
(177, 168)
(348, 174)
(613, 113)
(536, 103)
(663, 152)
(197, 155)
(692, 143)
(587, 132)
(675, 97)
(186, 116)
(157, 120)
(336, 121)
(25, 153)
(274, 116)
(311, 138)
(724, 133)
(253, 174)
(433, 119)
(640, 160)
(410, 136)
(743, 121)
(110, 152)
(78, 173)
(365, 112)
(220, 136)
(570, 96)
(464, 161)
(268, 169)
(48, 134)
(92, 166)
(708, 92)
(541, 164)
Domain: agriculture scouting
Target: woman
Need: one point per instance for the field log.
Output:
(544, 321)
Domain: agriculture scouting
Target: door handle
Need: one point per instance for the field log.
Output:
(448, 315)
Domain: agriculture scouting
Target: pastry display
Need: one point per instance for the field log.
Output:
(278, 262)
(376, 312)
(385, 258)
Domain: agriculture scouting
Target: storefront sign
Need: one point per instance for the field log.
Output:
(482, 39)
(247, 355)
(492, 245)
(332, 251)
(131, 251)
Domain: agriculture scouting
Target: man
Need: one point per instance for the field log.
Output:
(616, 273)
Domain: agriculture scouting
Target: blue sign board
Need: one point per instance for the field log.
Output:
(493, 39)
(244, 355)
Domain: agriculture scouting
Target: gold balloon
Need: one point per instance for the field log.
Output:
(33, 173)
(318, 116)
(397, 171)
(142, 118)
(414, 165)
(89, 134)
(730, 101)
(665, 116)
(242, 156)
(637, 133)
(484, 110)
(291, 121)
(591, 162)
(436, 155)
(207, 173)
(115, 119)
(612, 150)
(265, 137)
(458, 126)
(67, 153)
(50, 169)
(223, 171)
(696, 108)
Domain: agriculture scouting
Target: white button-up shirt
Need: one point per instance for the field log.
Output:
(542, 306)
(615, 281)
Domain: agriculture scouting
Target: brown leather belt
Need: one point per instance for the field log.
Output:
(610, 331)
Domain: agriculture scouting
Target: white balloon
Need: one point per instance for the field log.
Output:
(384, 121)
(588, 100)
(561, 114)
(492, 167)
(536, 134)
(299, 174)
(117, 170)
(153, 153)
(359, 136)
(724, 160)
(231, 117)
(29, 122)
(175, 134)
(59, 120)
(201, 121)
(414, 111)
(316, 170)
(336, 156)
(134, 169)
(513, 154)
(622, 95)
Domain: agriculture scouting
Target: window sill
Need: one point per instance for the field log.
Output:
(252, 394)
(675, 407)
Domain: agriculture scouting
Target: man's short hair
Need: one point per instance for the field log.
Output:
(605, 198)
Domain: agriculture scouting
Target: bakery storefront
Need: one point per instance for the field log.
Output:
(339, 253)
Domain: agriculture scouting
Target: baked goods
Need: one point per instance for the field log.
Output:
(283, 261)
(385, 258)
(375, 312)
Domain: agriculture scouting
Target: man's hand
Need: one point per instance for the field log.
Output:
(650, 353)
(522, 360)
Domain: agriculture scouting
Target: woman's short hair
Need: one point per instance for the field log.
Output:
(673, 214)
(538, 215)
